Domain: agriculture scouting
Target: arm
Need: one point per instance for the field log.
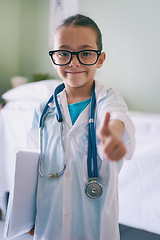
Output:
(110, 135)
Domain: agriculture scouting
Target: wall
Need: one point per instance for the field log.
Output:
(131, 37)
(9, 41)
(131, 40)
(24, 32)
(35, 38)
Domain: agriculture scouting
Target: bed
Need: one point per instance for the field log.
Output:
(139, 191)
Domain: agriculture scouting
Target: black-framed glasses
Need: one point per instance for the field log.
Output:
(64, 57)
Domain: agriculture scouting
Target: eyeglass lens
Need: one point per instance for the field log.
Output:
(85, 57)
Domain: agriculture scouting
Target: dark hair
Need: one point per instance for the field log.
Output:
(82, 20)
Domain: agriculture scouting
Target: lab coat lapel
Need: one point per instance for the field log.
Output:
(83, 117)
(62, 101)
(64, 108)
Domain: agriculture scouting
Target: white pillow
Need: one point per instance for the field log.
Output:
(35, 91)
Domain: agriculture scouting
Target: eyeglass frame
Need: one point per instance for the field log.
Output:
(74, 53)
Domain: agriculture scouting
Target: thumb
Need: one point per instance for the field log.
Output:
(106, 120)
(104, 130)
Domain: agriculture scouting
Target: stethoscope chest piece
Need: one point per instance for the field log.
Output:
(93, 189)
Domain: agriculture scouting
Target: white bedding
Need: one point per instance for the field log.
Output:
(15, 121)
(139, 191)
(139, 179)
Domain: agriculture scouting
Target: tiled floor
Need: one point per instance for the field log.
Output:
(128, 233)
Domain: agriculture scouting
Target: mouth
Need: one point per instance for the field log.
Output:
(75, 72)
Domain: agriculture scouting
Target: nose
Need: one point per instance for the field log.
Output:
(74, 61)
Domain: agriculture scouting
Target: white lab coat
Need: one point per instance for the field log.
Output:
(64, 212)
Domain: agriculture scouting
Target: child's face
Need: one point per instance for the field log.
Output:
(75, 39)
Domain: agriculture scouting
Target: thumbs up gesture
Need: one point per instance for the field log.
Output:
(110, 134)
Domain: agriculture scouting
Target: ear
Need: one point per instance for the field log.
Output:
(101, 60)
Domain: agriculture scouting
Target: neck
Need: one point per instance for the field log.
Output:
(78, 94)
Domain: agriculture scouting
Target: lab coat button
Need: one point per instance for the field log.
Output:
(66, 214)
(67, 175)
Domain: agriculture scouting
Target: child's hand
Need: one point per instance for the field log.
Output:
(31, 232)
(110, 138)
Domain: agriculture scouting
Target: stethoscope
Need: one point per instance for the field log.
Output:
(93, 189)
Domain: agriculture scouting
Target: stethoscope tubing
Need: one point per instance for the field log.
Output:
(93, 188)
(52, 175)
(92, 148)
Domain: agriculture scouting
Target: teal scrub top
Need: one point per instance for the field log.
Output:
(75, 109)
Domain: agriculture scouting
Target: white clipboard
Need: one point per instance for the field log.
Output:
(21, 209)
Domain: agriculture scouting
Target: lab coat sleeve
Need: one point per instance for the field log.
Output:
(33, 138)
(33, 135)
(115, 105)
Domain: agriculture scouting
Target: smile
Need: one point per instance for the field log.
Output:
(76, 72)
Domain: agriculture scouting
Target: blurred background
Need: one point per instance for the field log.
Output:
(131, 37)
(131, 40)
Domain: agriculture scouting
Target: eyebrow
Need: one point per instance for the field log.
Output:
(81, 47)
(86, 46)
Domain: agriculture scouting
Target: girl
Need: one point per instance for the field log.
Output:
(68, 208)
